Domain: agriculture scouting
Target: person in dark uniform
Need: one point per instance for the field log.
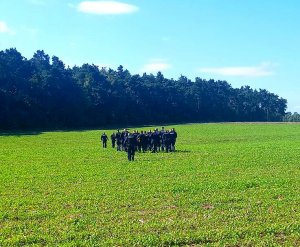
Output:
(136, 134)
(149, 135)
(124, 134)
(130, 143)
(104, 139)
(166, 138)
(139, 141)
(146, 140)
(158, 140)
(155, 141)
(173, 136)
(162, 143)
(119, 140)
(113, 140)
(143, 140)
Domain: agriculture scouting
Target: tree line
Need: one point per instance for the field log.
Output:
(291, 117)
(42, 92)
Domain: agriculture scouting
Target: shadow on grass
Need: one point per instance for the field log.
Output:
(164, 152)
(104, 128)
(182, 151)
(20, 133)
(32, 133)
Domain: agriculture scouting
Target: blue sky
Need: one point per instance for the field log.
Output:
(249, 42)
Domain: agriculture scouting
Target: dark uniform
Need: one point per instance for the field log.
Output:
(139, 141)
(173, 136)
(104, 139)
(124, 134)
(166, 139)
(149, 140)
(143, 141)
(162, 143)
(130, 143)
(155, 141)
(119, 140)
(113, 140)
(136, 134)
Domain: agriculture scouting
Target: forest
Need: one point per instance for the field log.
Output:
(42, 93)
(291, 117)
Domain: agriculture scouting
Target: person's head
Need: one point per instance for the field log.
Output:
(163, 128)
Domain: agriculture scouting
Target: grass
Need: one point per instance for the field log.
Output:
(228, 185)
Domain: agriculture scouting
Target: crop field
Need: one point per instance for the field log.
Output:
(227, 185)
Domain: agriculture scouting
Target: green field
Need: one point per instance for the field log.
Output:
(227, 185)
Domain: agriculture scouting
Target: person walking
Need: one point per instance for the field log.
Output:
(119, 140)
(130, 143)
(113, 140)
(104, 139)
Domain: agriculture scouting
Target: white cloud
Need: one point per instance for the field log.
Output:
(106, 7)
(264, 69)
(154, 67)
(5, 29)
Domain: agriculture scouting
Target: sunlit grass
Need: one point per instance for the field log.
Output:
(228, 184)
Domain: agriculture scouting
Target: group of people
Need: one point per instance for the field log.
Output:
(153, 141)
